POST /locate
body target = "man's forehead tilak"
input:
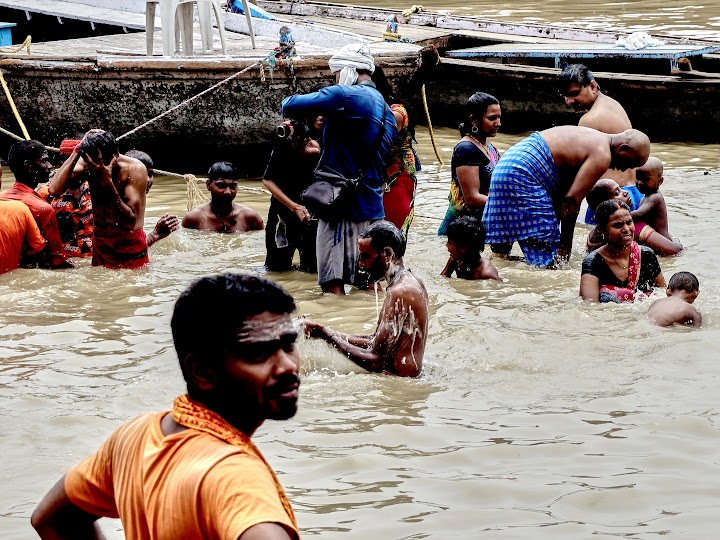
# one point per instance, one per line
(255, 331)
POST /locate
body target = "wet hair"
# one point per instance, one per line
(605, 210)
(224, 170)
(576, 74)
(476, 107)
(684, 281)
(23, 151)
(102, 142)
(143, 158)
(598, 194)
(209, 312)
(384, 234)
(468, 232)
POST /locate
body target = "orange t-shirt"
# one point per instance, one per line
(44, 217)
(18, 230)
(188, 485)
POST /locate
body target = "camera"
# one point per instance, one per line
(287, 129)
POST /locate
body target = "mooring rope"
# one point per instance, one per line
(196, 96)
(13, 107)
(24, 45)
(430, 128)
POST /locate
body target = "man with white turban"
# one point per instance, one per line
(358, 135)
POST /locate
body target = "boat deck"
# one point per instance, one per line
(561, 51)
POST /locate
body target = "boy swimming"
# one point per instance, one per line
(465, 243)
(677, 308)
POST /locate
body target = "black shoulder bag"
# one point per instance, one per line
(330, 194)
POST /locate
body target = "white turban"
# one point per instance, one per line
(349, 59)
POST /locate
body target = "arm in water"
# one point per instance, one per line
(391, 348)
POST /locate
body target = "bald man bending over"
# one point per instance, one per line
(537, 187)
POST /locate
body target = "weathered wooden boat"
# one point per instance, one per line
(520, 64)
(65, 87)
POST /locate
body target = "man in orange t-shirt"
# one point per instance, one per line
(30, 164)
(193, 472)
(18, 234)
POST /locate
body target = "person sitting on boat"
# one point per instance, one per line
(582, 92)
(552, 170)
(605, 190)
(400, 172)
(168, 223)
(398, 344)
(620, 268)
(465, 244)
(30, 164)
(473, 159)
(289, 171)
(222, 214)
(118, 186)
(359, 133)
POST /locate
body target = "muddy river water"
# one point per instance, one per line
(537, 416)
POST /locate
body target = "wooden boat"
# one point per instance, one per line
(520, 64)
(66, 87)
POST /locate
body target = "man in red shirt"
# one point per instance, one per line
(30, 164)
(18, 234)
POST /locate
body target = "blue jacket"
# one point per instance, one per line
(354, 116)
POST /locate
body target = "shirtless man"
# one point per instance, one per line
(398, 344)
(582, 92)
(221, 214)
(538, 185)
(117, 192)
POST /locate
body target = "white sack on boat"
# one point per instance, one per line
(638, 40)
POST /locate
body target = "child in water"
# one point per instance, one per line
(465, 243)
(604, 189)
(652, 210)
(677, 308)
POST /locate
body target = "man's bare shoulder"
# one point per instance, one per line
(247, 218)
(409, 288)
(606, 115)
(195, 216)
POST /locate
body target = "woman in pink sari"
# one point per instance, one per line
(620, 268)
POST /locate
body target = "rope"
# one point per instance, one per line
(18, 138)
(13, 107)
(430, 128)
(24, 45)
(196, 96)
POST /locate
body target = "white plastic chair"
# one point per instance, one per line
(177, 21)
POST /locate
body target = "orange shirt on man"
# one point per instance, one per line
(19, 234)
(44, 217)
(189, 485)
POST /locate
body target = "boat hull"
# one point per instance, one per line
(667, 108)
(236, 121)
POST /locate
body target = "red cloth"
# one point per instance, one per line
(44, 217)
(627, 293)
(399, 200)
(68, 145)
(125, 251)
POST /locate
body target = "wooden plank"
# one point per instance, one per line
(589, 50)
(81, 12)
